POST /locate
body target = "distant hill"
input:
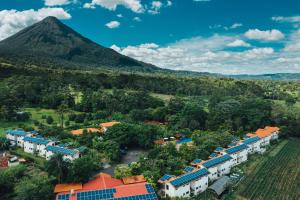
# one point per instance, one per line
(52, 43)
(279, 77)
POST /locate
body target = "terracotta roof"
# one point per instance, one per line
(4, 162)
(133, 179)
(264, 132)
(67, 187)
(102, 181)
(131, 190)
(159, 142)
(108, 124)
(89, 130)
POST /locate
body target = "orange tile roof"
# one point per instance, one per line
(130, 190)
(67, 187)
(89, 130)
(133, 179)
(108, 124)
(264, 132)
(102, 181)
(159, 142)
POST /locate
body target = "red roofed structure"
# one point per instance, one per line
(104, 187)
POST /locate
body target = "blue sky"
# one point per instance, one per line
(219, 36)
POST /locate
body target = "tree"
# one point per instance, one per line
(122, 171)
(61, 111)
(82, 169)
(4, 144)
(36, 187)
(58, 167)
(49, 120)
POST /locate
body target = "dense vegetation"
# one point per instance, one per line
(213, 111)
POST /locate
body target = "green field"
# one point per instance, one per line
(36, 115)
(276, 176)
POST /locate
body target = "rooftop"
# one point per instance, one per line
(216, 161)
(57, 149)
(109, 124)
(251, 140)
(37, 140)
(89, 130)
(189, 177)
(188, 169)
(17, 132)
(264, 132)
(184, 141)
(165, 177)
(196, 161)
(104, 187)
(133, 179)
(236, 149)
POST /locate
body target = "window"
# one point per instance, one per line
(167, 187)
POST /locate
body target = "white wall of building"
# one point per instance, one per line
(199, 185)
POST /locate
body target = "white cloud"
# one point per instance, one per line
(56, 2)
(239, 43)
(113, 24)
(293, 19)
(268, 35)
(155, 7)
(233, 26)
(13, 21)
(137, 19)
(169, 3)
(134, 5)
(120, 15)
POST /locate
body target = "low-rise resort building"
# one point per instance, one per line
(34, 144)
(200, 174)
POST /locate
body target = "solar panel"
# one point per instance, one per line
(213, 155)
(36, 140)
(18, 132)
(184, 140)
(61, 150)
(219, 149)
(189, 169)
(149, 188)
(63, 197)
(196, 161)
(251, 140)
(166, 177)
(215, 161)
(236, 149)
(186, 178)
(151, 196)
(96, 194)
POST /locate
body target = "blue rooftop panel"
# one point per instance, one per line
(251, 140)
(219, 149)
(17, 132)
(189, 169)
(56, 149)
(232, 144)
(186, 178)
(236, 149)
(196, 161)
(213, 155)
(215, 161)
(166, 177)
(36, 140)
(184, 141)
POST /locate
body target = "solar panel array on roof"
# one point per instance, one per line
(232, 144)
(56, 149)
(186, 178)
(16, 132)
(166, 177)
(149, 188)
(151, 196)
(96, 194)
(36, 140)
(215, 161)
(184, 140)
(219, 149)
(63, 197)
(251, 140)
(213, 155)
(196, 161)
(189, 169)
(236, 149)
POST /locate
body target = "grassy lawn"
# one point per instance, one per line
(36, 113)
(275, 175)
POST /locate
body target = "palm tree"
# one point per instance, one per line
(61, 110)
(4, 144)
(58, 167)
